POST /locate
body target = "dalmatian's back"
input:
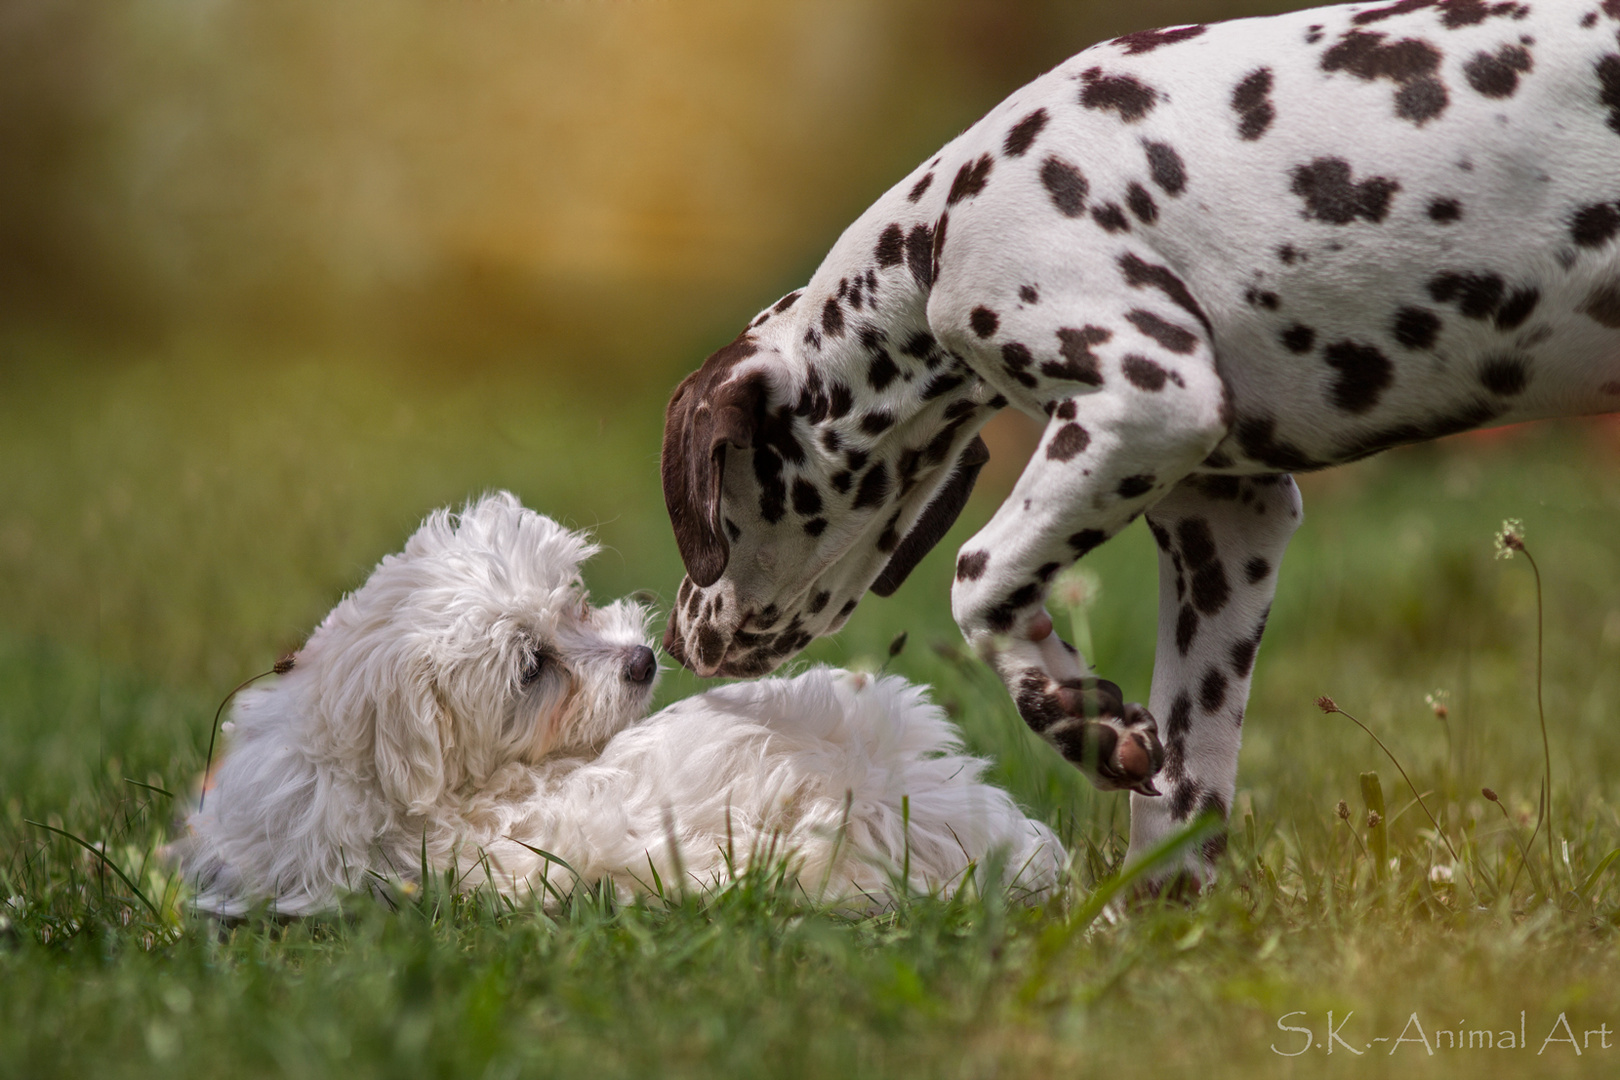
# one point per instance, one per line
(1395, 220)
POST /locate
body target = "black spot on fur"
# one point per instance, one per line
(1066, 185)
(1210, 590)
(1364, 374)
(877, 421)
(970, 566)
(839, 401)
(1166, 167)
(1147, 40)
(1085, 540)
(816, 526)
(1028, 294)
(970, 180)
(1242, 655)
(1079, 362)
(1064, 411)
(881, 371)
(1212, 690)
(1023, 134)
(984, 321)
(1477, 295)
(1595, 225)
(1141, 204)
(818, 602)
(1196, 541)
(873, 488)
(920, 345)
(1416, 327)
(1608, 72)
(1135, 486)
(1261, 298)
(941, 384)
(1111, 218)
(1003, 615)
(1251, 100)
(920, 255)
(1517, 308)
(1505, 376)
(1298, 338)
(1140, 273)
(1330, 195)
(1070, 441)
(1177, 339)
(1445, 211)
(1016, 357)
(1143, 373)
(1603, 305)
(772, 489)
(1129, 98)
(1255, 569)
(806, 498)
(832, 318)
(891, 246)
(841, 480)
(1498, 76)
(1257, 435)
(1409, 63)
(1186, 628)
(919, 187)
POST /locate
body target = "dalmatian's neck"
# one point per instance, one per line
(855, 345)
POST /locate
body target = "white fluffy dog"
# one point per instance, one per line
(467, 708)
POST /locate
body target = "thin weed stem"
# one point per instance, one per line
(1327, 705)
(1541, 714)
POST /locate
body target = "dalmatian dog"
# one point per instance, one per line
(1210, 257)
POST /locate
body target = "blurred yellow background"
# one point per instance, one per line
(601, 185)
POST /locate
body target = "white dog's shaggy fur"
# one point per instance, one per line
(467, 706)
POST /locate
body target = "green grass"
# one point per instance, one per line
(171, 524)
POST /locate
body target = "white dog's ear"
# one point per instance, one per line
(410, 741)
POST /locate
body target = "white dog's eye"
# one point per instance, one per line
(534, 662)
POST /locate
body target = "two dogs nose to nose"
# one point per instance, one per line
(641, 666)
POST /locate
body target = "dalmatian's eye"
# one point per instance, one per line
(534, 664)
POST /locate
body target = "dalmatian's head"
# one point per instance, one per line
(787, 506)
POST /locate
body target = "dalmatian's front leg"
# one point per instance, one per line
(1105, 457)
(1221, 539)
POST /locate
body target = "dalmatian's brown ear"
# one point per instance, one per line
(706, 415)
(936, 519)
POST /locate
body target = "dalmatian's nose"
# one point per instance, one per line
(641, 665)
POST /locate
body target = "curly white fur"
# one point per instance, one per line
(468, 709)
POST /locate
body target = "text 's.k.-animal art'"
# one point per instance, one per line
(1210, 256)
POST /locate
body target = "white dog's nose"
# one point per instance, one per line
(641, 666)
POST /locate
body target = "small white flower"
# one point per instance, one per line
(1510, 538)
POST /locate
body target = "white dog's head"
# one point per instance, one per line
(475, 647)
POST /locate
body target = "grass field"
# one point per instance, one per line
(170, 525)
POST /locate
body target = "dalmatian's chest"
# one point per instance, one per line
(1391, 221)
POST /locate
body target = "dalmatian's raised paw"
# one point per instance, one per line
(1114, 743)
